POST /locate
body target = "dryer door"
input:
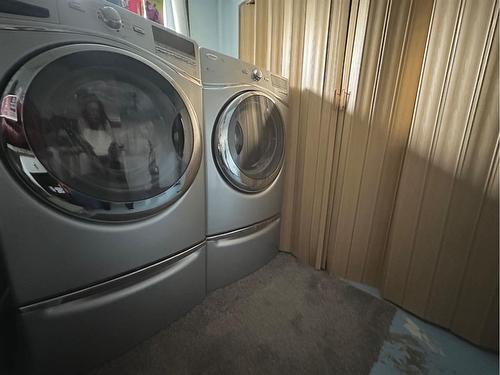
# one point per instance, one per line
(99, 132)
(248, 142)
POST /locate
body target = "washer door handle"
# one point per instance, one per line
(9, 107)
(12, 125)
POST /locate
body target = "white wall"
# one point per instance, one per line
(203, 21)
(215, 24)
(229, 26)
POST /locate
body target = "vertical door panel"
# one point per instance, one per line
(317, 19)
(379, 132)
(335, 61)
(246, 45)
(479, 282)
(465, 201)
(358, 127)
(405, 93)
(263, 23)
(450, 145)
(295, 60)
(419, 147)
(443, 252)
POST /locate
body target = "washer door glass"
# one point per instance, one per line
(249, 142)
(108, 129)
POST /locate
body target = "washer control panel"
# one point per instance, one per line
(98, 18)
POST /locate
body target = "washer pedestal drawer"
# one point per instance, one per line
(234, 255)
(70, 335)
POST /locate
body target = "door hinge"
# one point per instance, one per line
(341, 99)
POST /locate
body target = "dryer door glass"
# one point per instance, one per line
(110, 131)
(249, 142)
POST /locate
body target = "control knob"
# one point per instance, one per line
(110, 17)
(256, 75)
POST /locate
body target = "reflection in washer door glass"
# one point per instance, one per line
(108, 127)
(255, 137)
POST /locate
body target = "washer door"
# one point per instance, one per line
(99, 132)
(248, 142)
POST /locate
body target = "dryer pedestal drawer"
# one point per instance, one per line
(80, 333)
(236, 254)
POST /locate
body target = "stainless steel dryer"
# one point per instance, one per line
(245, 111)
(102, 225)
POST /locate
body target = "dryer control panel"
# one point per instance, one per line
(219, 69)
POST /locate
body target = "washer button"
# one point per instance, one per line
(138, 29)
(76, 5)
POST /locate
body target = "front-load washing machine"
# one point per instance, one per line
(102, 225)
(245, 110)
